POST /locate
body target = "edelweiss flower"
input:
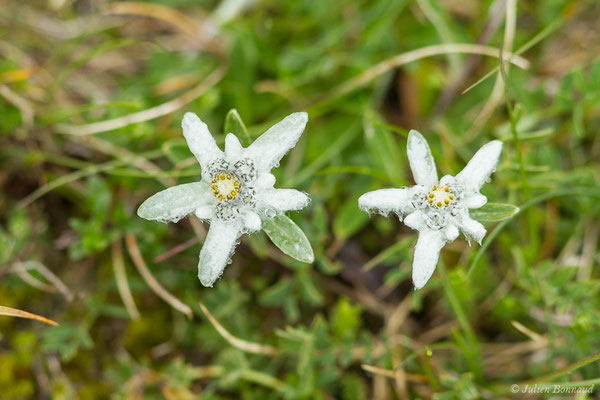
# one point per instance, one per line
(236, 191)
(436, 208)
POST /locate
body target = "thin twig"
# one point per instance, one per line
(536, 337)
(414, 55)
(177, 249)
(498, 90)
(388, 373)
(203, 32)
(565, 370)
(82, 173)
(107, 147)
(146, 115)
(496, 15)
(140, 264)
(244, 345)
(22, 268)
(121, 277)
(586, 192)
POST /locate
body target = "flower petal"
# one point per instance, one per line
(205, 212)
(472, 229)
(480, 167)
(384, 201)
(283, 199)
(199, 139)
(218, 247)
(174, 203)
(427, 253)
(265, 181)
(252, 221)
(450, 232)
(475, 201)
(233, 147)
(421, 161)
(416, 221)
(272, 145)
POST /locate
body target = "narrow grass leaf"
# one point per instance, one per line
(13, 312)
(235, 125)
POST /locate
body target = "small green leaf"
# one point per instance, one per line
(276, 294)
(383, 148)
(176, 150)
(235, 125)
(531, 136)
(308, 288)
(290, 239)
(494, 212)
(350, 219)
(345, 319)
(67, 340)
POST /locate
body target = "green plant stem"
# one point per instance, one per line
(566, 370)
(82, 173)
(513, 127)
(474, 357)
(547, 31)
(563, 371)
(586, 192)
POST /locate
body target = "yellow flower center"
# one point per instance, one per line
(440, 196)
(225, 187)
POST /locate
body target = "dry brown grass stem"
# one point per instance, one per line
(140, 264)
(22, 269)
(244, 345)
(414, 55)
(13, 312)
(121, 277)
(148, 114)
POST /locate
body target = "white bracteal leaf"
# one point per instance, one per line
(427, 253)
(272, 145)
(385, 201)
(205, 212)
(233, 148)
(199, 140)
(174, 203)
(289, 238)
(421, 161)
(450, 232)
(472, 229)
(475, 201)
(218, 247)
(416, 221)
(265, 181)
(480, 167)
(252, 222)
(283, 200)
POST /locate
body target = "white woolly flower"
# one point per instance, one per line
(438, 209)
(236, 190)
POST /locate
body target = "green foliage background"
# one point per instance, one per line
(523, 307)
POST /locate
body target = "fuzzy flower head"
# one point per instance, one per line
(437, 208)
(236, 191)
